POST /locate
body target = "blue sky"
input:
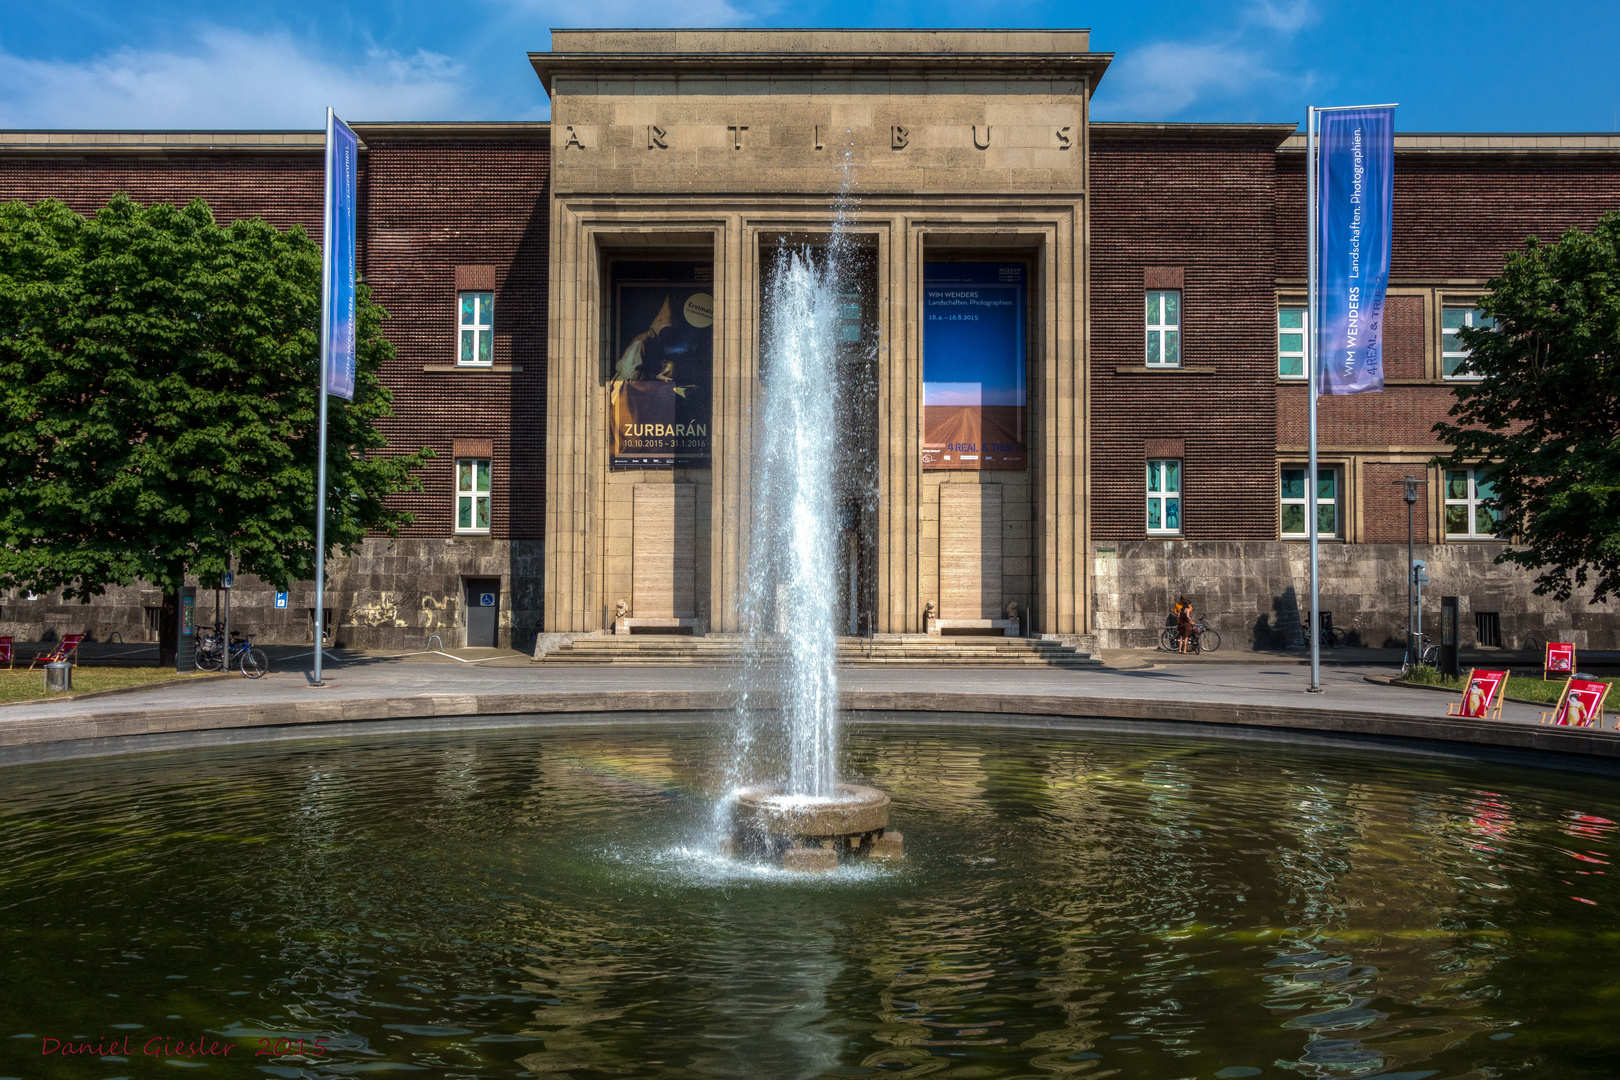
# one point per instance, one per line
(1453, 66)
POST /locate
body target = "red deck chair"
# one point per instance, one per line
(68, 646)
(1482, 695)
(1580, 705)
(6, 653)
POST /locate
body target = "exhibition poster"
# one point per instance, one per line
(974, 407)
(659, 389)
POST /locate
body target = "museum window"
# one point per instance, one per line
(1453, 353)
(1471, 512)
(472, 495)
(1294, 503)
(1163, 497)
(477, 321)
(1291, 326)
(1164, 328)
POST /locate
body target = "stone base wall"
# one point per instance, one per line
(1254, 593)
(388, 595)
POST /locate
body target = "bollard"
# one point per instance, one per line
(59, 675)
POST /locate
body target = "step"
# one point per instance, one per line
(918, 651)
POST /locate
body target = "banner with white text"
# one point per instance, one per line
(1355, 171)
(338, 303)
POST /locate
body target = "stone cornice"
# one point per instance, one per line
(972, 64)
(1117, 131)
(1490, 143)
(160, 142)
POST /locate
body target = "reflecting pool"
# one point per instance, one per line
(544, 902)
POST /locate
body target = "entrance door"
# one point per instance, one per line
(483, 611)
(970, 551)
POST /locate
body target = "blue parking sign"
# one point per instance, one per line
(281, 600)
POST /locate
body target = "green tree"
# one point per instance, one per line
(159, 376)
(1546, 411)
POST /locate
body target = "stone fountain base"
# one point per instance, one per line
(805, 833)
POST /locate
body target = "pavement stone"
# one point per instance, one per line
(360, 677)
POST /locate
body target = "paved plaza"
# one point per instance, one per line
(1277, 682)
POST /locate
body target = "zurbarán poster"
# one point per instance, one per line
(659, 390)
(974, 408)
(1355, 182)
(337, 308)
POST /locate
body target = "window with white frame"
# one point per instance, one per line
(477, 324)
(1163, 496)
(1471, 512)
(472, 495)
(1296, 502)
(1453, 353)
(1291, 342)
(1164, 328)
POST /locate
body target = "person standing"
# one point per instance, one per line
(1184, 623)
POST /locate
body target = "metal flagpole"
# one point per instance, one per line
(1311, 508)
(326, 359)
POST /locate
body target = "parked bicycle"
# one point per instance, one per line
(1204, 638)
(1428, 653)
(1332, 636)
(250, 659)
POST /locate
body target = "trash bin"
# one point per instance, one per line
(59, 675)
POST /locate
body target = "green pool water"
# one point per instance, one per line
(543, 902)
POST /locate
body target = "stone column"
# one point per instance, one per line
(899, 440)
(736, 367)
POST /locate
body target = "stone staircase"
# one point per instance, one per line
(889, 650)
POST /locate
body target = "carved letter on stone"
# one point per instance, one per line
(899, 136)
(655, 138)
(572, 141)
(981, 141)
(1064, 141)
(736, 135)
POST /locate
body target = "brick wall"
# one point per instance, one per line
(1384, 503)
(1205, 208)
(1404, 337)
(436, 205)
(1456, 216)
(283, 188)
(1400, 416)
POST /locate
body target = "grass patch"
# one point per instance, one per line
(1524, 687)
(23, 685)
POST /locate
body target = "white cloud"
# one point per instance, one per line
(1286, 16)
(638, 13)
(1160, 80)
(227, 80)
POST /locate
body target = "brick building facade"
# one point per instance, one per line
(1213, 215)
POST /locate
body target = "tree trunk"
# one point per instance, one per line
(168, 628)
(169, 624)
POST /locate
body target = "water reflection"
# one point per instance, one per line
(502, 904)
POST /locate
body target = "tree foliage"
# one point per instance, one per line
(1547, 408)
(159, 380)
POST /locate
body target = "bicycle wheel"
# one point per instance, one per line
(1333, 638)
(208, 659)
(1431, 656)
(1169, 640)
(1208, 640)
(254, 663)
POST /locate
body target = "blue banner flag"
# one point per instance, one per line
(1355, 171)
(337, 270)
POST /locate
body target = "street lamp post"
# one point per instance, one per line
(1411, 495)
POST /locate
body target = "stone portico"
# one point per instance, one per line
(718, 146)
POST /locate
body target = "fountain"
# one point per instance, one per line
(801, 814)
